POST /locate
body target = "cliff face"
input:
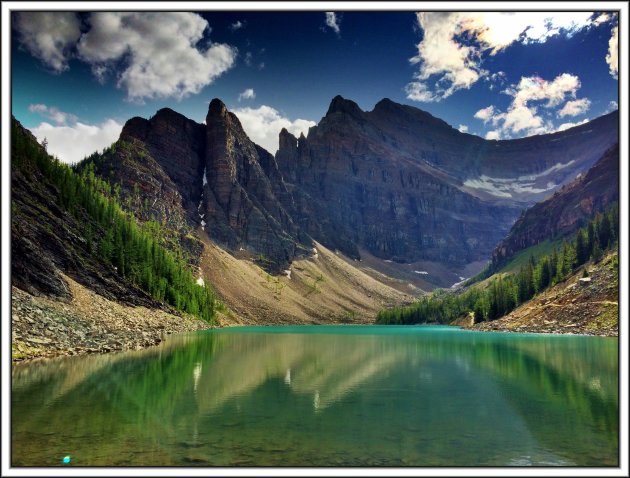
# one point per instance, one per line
(239, 202)
(185, 175)
(407, 186)
(567, 210)
(394, 181)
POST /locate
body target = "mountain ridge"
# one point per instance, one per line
(393, 181)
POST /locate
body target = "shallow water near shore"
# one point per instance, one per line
(325, 396)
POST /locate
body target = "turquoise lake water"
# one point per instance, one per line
(325, 396)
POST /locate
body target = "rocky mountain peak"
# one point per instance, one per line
(342, 105)
(216, 109)
(287, 140)
(135, 127)
(389, 110)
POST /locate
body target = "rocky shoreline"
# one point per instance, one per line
(88, 323)
(579, 305)
(551, 328)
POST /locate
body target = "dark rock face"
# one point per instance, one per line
(176, 144)
(184, 174)
(396, 181)
(406, 186)
(567, 210)
(241, 205)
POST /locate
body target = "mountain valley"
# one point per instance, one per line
(368, 211)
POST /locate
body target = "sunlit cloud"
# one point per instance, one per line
(575, 107)
(72, 143)
(613, 51)
(248, 94)
(529, 95)
(52, 113)
(263, 125)
(454, 45)
(332, 22)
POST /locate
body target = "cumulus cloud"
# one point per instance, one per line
(332, 22)
(49, 36)
(263, 125)
(454, 45)
(159, 49)
(418, 91)
(612, 106)
(237, 25)
(564, 126)
(535, 88)
(522, 117)
(485, 114)
(613, 51)
(463, 128)
(52, 113)
(575, 107)
(248, 94)
(72, 143)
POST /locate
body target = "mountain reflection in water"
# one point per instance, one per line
(345, 395)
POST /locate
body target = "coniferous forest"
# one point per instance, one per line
(133, 249)
(505, 293)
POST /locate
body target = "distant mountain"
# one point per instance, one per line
(395, 182)
(406, 186)
(567, 210)
(186, 175)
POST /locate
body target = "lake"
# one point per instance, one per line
(325, 396)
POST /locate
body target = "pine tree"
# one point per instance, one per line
(479, 315)
(604, 231)
(582, 251)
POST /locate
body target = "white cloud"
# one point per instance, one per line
(439, 54)
(564, 126)
(454, 44)
(160, 52)
(248, 94)
(531, 93)
(263, 125)
(463, 128)
(602, 18)
(333, 22)
(535, 88)
(575, 107)
(72, 143)
(520, 118)
(49, 36)
(237, 25)
(485, 114)
(613, 52)
(417, 91)
(52, 113)
(612, 106)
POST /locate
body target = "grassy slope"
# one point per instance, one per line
(321, 289)
(521, 257)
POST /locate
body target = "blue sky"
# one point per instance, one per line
(76, 78)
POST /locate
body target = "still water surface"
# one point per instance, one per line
(325, 395)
